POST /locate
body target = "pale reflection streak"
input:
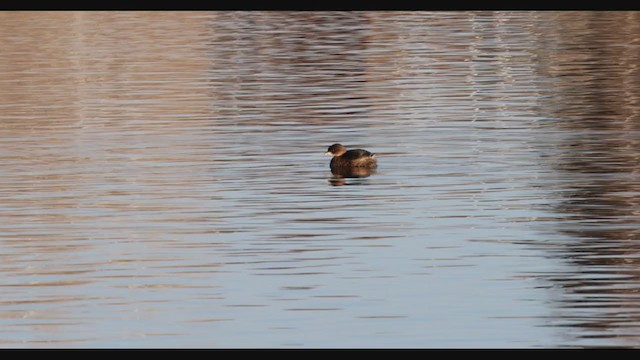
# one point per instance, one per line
(89, 175)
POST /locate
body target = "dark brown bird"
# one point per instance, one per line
(348, 159)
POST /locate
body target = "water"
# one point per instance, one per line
(163, 184)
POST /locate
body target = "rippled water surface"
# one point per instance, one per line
(163, 184)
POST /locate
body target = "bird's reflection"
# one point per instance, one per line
(340, 176)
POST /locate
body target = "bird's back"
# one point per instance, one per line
(356, 154)
(354, 158)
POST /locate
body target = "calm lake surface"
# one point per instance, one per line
(163, 180)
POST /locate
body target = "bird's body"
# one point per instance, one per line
(347, 159)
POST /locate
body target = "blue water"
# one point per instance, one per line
(163, 184)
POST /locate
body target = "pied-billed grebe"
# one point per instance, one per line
(357, 158)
